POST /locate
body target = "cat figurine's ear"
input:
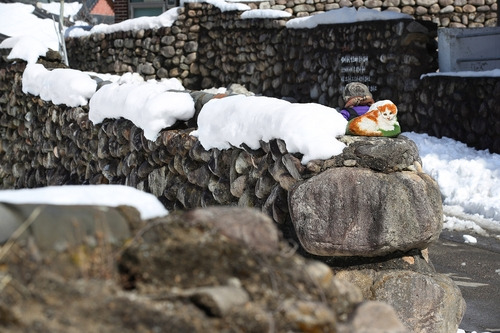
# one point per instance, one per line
(380, 120)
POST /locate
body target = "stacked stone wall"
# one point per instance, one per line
(44, 144)
(206, 48)
(462, 108)
(445, 13)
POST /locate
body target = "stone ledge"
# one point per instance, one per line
(376, 153)
(57, 228)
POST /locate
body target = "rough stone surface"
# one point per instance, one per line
(193, 249)
(375, 317)
(437, 106)
(435, 305)
(245, 225)
(385, 155)
(359, 212)
(60, 227)
(170, 274)
(220, 300)
(436, 298)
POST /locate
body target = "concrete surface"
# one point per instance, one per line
(475, 268)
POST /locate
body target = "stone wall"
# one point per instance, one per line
(462, 108)
(45, 144)
(206, 48)
(445, 13)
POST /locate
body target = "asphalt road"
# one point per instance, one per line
(475, 268)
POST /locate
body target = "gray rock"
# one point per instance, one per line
(157, 181)
(62, 227)
(423, 302)
(359, 212)
(434, 303)
(246, 225)
(345, 293)
(219, 300)
(380, 154)
(146, 68)
(238, 186)
(426, 3)
(374, 317)
(310, 316)
(167, 51)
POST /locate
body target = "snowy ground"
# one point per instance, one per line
(469, 181)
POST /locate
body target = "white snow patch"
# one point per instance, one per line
(60, 85)
(164, 20)
(101, 195)
(151, 105)
(265, 14)
(310, 129)
(469, 239)
(344, 15)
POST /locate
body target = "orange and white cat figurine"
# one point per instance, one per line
(379, 120)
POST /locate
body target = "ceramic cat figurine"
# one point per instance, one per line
(379, 120)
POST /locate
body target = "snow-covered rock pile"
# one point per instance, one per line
(370, 209)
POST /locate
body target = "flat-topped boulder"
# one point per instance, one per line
(377, 153)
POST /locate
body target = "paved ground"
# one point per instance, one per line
(476, 270)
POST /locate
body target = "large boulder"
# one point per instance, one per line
(350, 211)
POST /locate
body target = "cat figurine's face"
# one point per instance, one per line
(387, 110)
